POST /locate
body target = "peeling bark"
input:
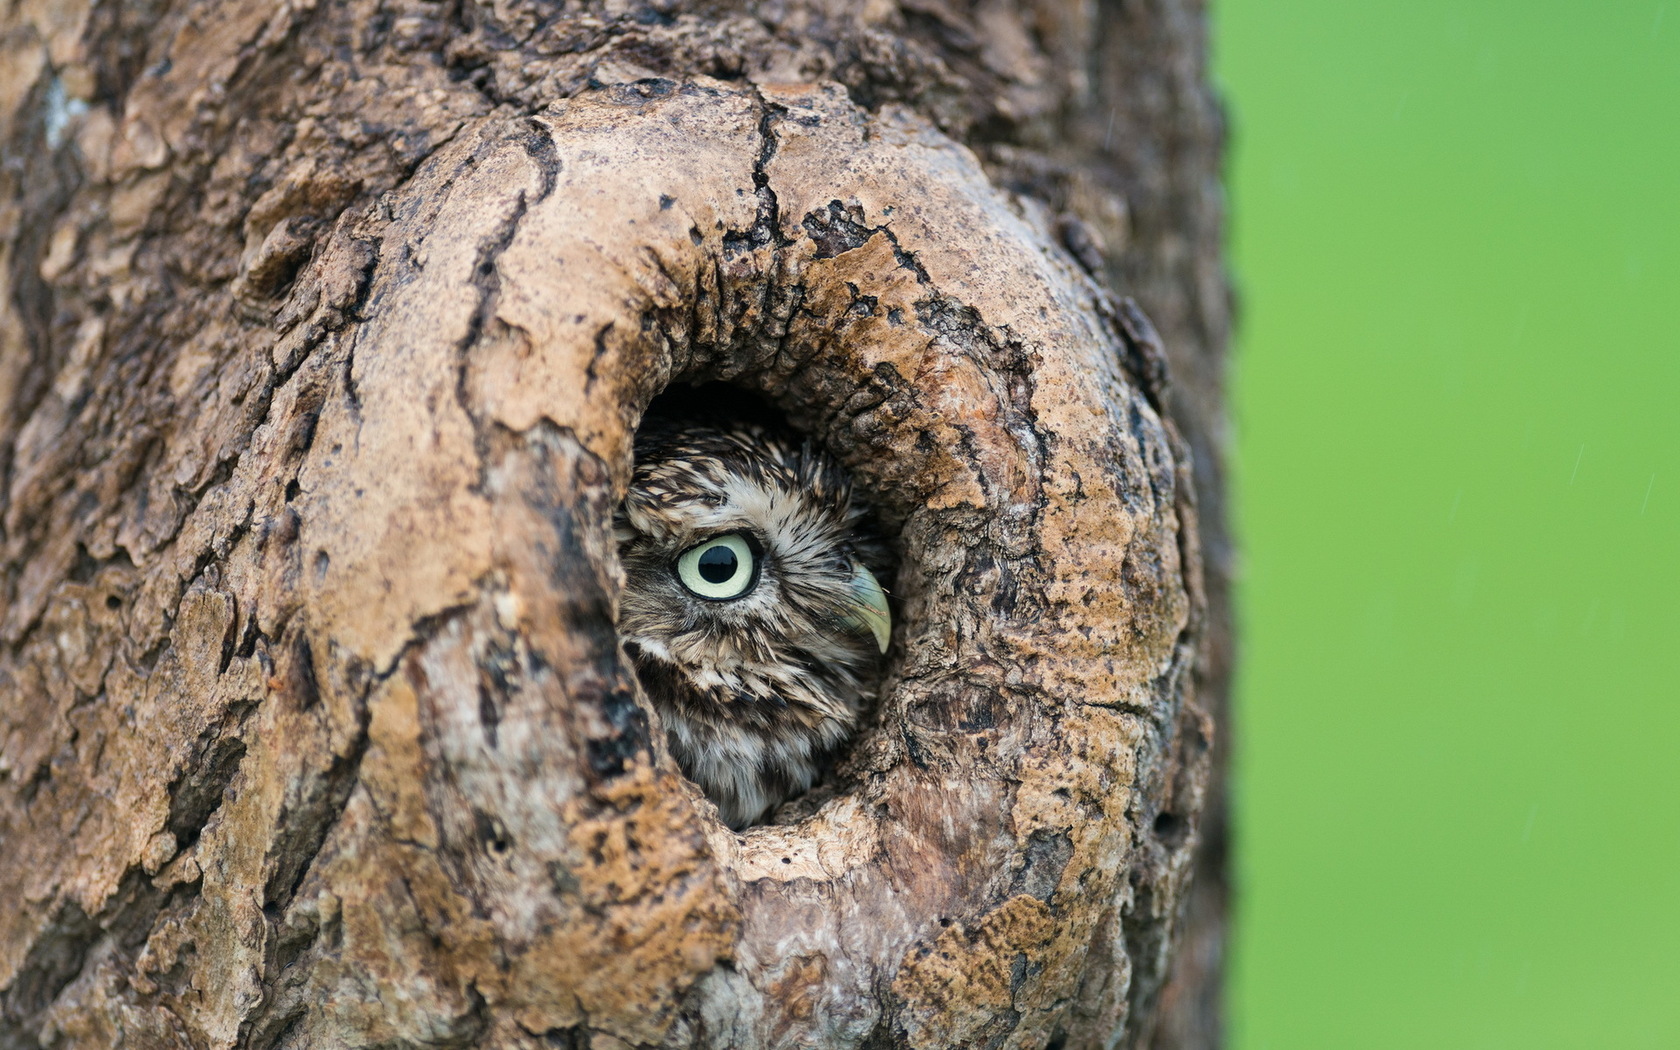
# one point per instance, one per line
(325, 331)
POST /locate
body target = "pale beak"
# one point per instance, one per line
(868, 607)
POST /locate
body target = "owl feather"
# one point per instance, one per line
(751, 607)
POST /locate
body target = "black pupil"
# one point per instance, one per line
(718, 564)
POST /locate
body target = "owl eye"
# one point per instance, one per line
(719, 569)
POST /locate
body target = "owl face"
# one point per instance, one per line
(751, 606)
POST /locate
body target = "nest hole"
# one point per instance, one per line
(764, 658)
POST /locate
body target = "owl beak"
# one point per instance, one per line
(868, 607)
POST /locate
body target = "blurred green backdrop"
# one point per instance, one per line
(1456, 236)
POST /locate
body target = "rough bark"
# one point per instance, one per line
(324, 332)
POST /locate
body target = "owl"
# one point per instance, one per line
(751, 608)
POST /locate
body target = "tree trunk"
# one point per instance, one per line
(324, 334)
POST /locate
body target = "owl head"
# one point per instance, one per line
(751, 606)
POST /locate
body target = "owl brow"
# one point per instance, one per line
(753, 451)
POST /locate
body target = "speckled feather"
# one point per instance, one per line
(758, 692)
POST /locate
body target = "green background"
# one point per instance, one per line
(1456, 390)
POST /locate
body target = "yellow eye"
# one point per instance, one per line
(719, 569)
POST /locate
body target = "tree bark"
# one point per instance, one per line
(325, 331)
